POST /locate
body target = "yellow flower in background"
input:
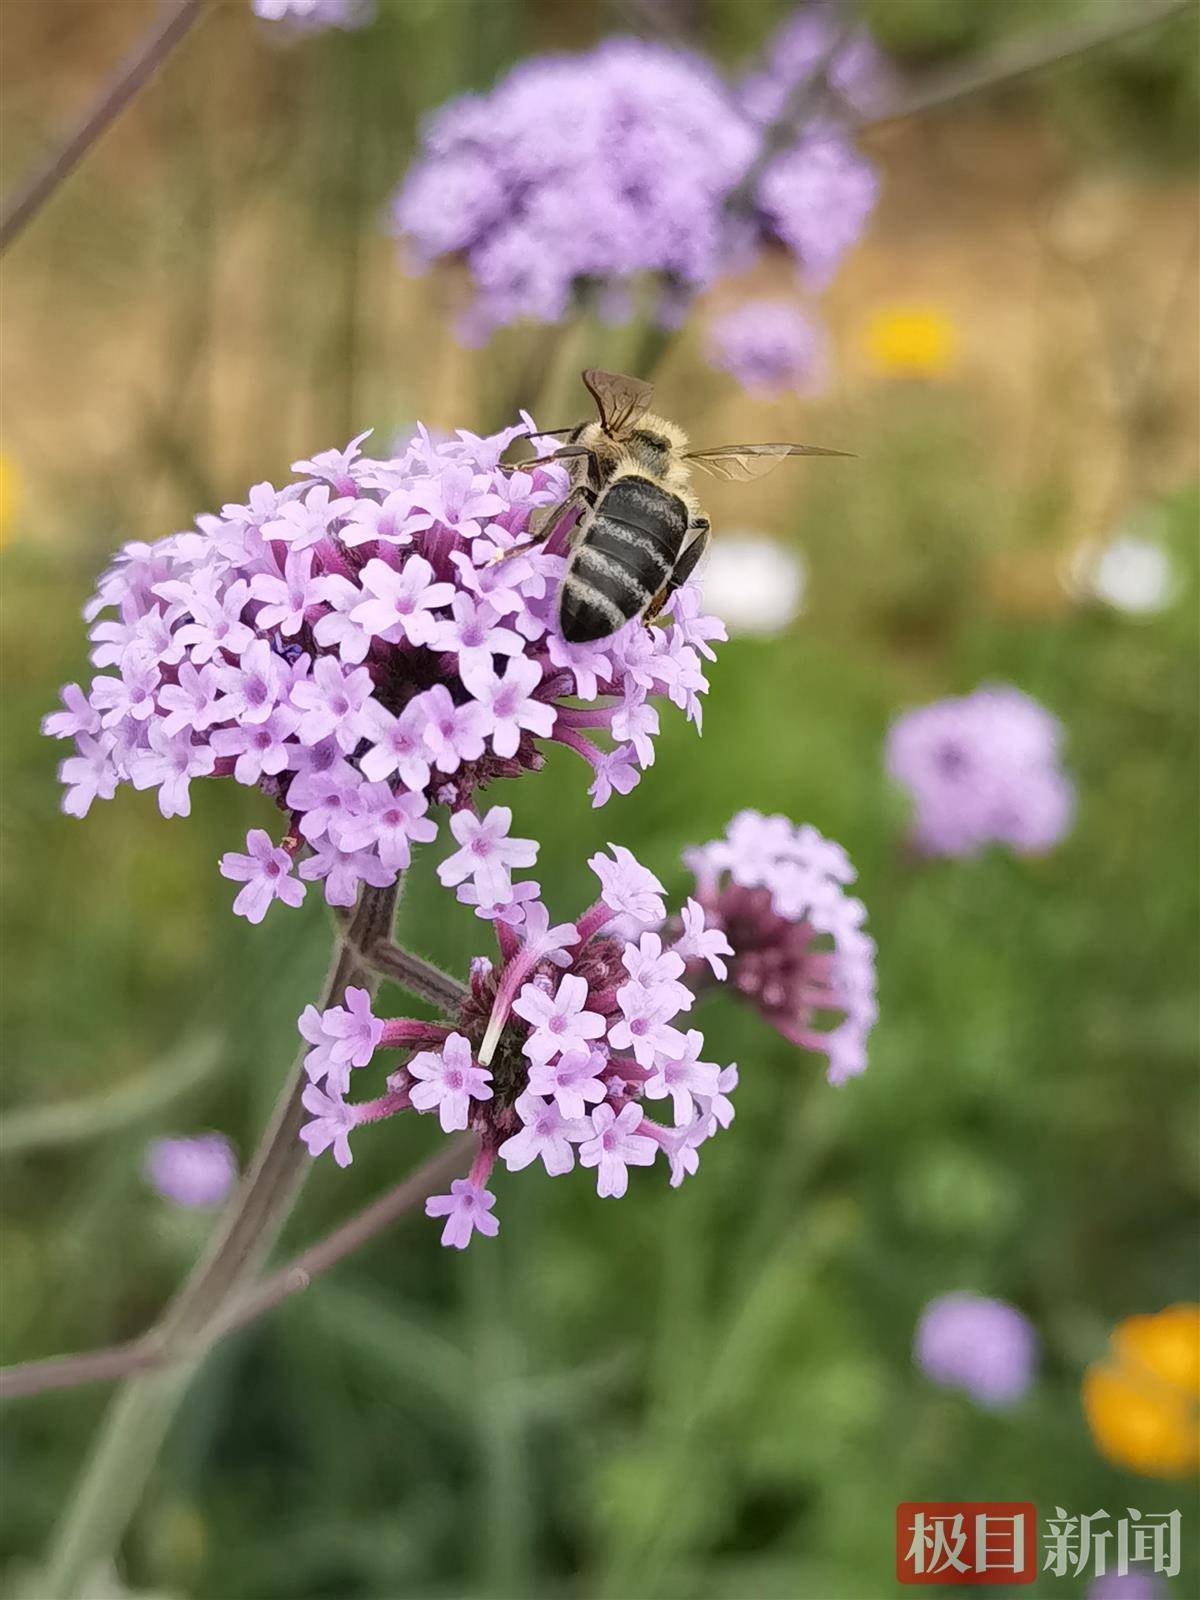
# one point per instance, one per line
(1142, 1402)
(910, 342)
(10, 496)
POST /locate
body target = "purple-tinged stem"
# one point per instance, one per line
(136, 70)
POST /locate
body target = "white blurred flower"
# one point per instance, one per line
(752, 583)
(1132, 572)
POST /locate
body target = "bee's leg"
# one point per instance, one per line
(685, 565)
(548, 519)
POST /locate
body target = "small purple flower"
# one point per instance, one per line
(388, 823)
(169, 765)
(302, 523)
(401, 601)
(266, 872)
(330, 1127)
(344, 872)
(190, 701)
(79, 716)
(572, 1080)
(331, 701)
(558, 1024)
(699, 942)
(682, 1075)
(770, 348)
(615, 1146)
(546, 1135)
(259, 747)
(88, 775)
(645, 1024)
(197, 1172)
(487, 854)
(398, 744)
(980, 770)
(453, 733)
(449, 1080)
(985, 1347)
(342, 1037)
(287, 598)
(467, 1209)
(628, 888)
(508, 701)
(474, 633)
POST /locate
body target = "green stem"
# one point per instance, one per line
(137, 1420)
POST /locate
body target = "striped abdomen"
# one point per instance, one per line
(625, 556)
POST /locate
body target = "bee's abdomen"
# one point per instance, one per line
(625, 557)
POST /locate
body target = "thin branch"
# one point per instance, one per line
(119, 1361)
(71, 1372)
(318, 1258)
(1018, 58)
(136, 70)
(414, 973)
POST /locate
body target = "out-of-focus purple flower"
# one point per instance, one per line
(350, 647)
(799, 48)
(799, 952)
(312, 16)
(980, 770)
(197, 1172)
(985, 1347)
(770, 347)
(604, 170)
(1133, 1585)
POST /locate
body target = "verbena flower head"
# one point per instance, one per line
(350, 645)
(575, 1048)
(197, 1172)
(770, 347)
(798, 949)
(983, 769)
(604, 169)
(985, 1347)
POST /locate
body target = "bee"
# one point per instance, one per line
(640, 531)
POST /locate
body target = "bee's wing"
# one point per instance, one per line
(741, 462)
(620, 401)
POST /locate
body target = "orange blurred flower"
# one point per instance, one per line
(910, 342)
(1142, 1401)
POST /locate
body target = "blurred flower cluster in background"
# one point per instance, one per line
(952, 1259)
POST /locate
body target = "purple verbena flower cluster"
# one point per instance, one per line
(557, 1053)
(985, 1347)
(561, 1051)
(770, 347)
(799, 951)
(611, 168)
(983, 769)
(351, 645)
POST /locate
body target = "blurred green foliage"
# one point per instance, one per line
(702, 1393)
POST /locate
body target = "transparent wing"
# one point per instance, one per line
(620, 401)
(738, 463)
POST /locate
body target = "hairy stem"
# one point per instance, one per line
(136, 1423)
(137, 69)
